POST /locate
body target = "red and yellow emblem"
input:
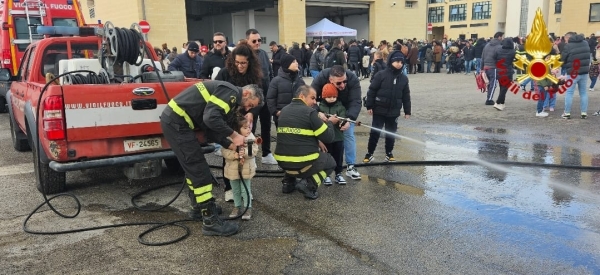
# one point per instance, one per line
(538, 46)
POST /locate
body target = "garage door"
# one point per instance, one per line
(338, 3)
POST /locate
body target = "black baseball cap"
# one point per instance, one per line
(193, 46)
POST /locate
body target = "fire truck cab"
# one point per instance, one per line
(19, 20)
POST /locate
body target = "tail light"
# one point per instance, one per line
(53, 118)
(6, 56)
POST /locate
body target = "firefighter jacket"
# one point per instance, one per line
(298, 135)
(205, 106)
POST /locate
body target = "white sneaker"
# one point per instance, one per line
(352, 173)
(269, 159)
(591, 89)
(229, 195)
(339, 179)
(218, 152)
(499, 107)
(541, 114)
(327, 181)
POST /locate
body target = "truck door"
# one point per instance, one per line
(19, 88)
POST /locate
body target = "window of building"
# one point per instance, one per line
(91, 8)
(436, 15)
(458, 12)
(408, 4)
(595, 12)
(482, 10)
(557, 6)
(435, 1)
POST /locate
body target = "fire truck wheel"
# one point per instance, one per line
(173, 166)
(47, 180)
(3, 108)
(19, 140)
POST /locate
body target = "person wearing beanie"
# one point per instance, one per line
(283, 86)
(387, 95)
(188, 62)
(330, 105)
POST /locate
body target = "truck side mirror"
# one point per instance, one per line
(5, 74)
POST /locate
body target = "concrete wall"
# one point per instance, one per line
(392, 22)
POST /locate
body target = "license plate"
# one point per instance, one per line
(133, 145)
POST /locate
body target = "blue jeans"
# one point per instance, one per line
(581, 82)
(550, 100)
(314, 73)
(593, 82)
(544, 95)
(350, 145)
(429, 66)
(468, 65)
(528, 81)
(477, 64)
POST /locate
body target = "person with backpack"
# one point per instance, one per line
(317, 59)
(335, 56)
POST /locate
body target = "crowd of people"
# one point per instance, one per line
(315, 124)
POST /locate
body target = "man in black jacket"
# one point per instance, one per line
(349, 93)
(576, 62)
(387, 94)
(215, 57)
(276, 57)
(189, 62)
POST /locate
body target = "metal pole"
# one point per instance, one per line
(144, 16)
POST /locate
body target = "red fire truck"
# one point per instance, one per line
(19, 20)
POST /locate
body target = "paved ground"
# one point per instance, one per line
(396, 220)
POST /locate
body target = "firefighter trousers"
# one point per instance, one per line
(314, 172)
(189, 152)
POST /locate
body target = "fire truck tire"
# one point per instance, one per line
(173, 166)
(19, 140)
(3, 108)
(47, 180)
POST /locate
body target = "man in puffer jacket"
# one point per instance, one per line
(576, 51)
(504, 62)
(387, 94)
(282, 87)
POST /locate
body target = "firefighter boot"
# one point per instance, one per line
(195, 213)
(212, 224)
(308, 188)
(289, 185)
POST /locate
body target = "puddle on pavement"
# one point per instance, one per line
(492, 130)
(411, 190)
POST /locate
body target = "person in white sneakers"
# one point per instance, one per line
(349, 93)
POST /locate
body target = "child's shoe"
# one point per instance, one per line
(235, 212)
(339, 179)
(389, 157)
(327, 181)
(248, 215)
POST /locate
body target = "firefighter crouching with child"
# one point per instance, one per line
(301, 133)
(206, 106)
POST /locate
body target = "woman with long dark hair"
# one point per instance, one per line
(241, 68)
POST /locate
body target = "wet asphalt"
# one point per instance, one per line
(461, 219)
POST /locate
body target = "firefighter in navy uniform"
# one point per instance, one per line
(300, 134)
(205, 106)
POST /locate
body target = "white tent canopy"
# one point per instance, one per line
(328, 28)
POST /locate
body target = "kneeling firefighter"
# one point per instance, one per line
(206, 106)
(300, 135)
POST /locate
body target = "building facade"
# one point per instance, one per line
(466, 19)
(581, 16)
(176, 21)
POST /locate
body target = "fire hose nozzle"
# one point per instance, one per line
(251, 141)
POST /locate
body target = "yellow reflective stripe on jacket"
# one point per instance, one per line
(211, 98)
(297, 158)
(219, 102)
(181, 113)
(295, 131)
(321, 129)
(203, 91)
